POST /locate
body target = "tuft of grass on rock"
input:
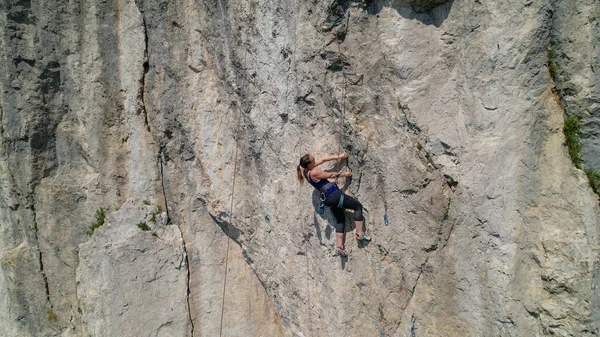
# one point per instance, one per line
(594, 178)
(571, 126)
(553, 67)
(573, 139)
(143, 226)
(51, 316)
(554, 70)
(154, 214)
(99, 221)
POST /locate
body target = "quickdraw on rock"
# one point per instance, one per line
(385, 216)
(385, 219)
(328, 27)
(353, 78)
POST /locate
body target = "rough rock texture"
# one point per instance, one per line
(574, 41)
(183, 122)
(126, 276)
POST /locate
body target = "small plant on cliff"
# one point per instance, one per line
(1, 129)
(573, 140)
(552, 65)
(143, 226)
(51, 316)
(594, 177)
(572, 137)
(154, 214)
(99, 221)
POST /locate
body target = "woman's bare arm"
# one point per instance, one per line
(318, 174)
(330, 158)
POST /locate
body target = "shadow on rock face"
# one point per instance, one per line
(429, 12)
(433, 16)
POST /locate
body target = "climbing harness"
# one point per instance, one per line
(325, 191)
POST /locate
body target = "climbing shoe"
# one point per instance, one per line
(341, 252)
(363, 237)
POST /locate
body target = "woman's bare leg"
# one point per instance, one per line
(340, 239)
(359, 227)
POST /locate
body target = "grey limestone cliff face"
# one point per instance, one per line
(148, 152)
(573, 34)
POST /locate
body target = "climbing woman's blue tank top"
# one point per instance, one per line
(316, 185)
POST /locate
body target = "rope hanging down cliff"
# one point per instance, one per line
(343, 115)
(353, 78)
(231, 202)
(231, 222)
(357, 80)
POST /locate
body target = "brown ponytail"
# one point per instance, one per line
(299, 172)
(304, 161)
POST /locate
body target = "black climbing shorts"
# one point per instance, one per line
(349, 203)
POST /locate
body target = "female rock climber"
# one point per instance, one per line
(332, 196)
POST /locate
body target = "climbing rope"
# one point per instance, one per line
(344, 87)
(296, 84)
(231, 205)
(228, 236)
(308, 289)
(342, 116)
(228, 240)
